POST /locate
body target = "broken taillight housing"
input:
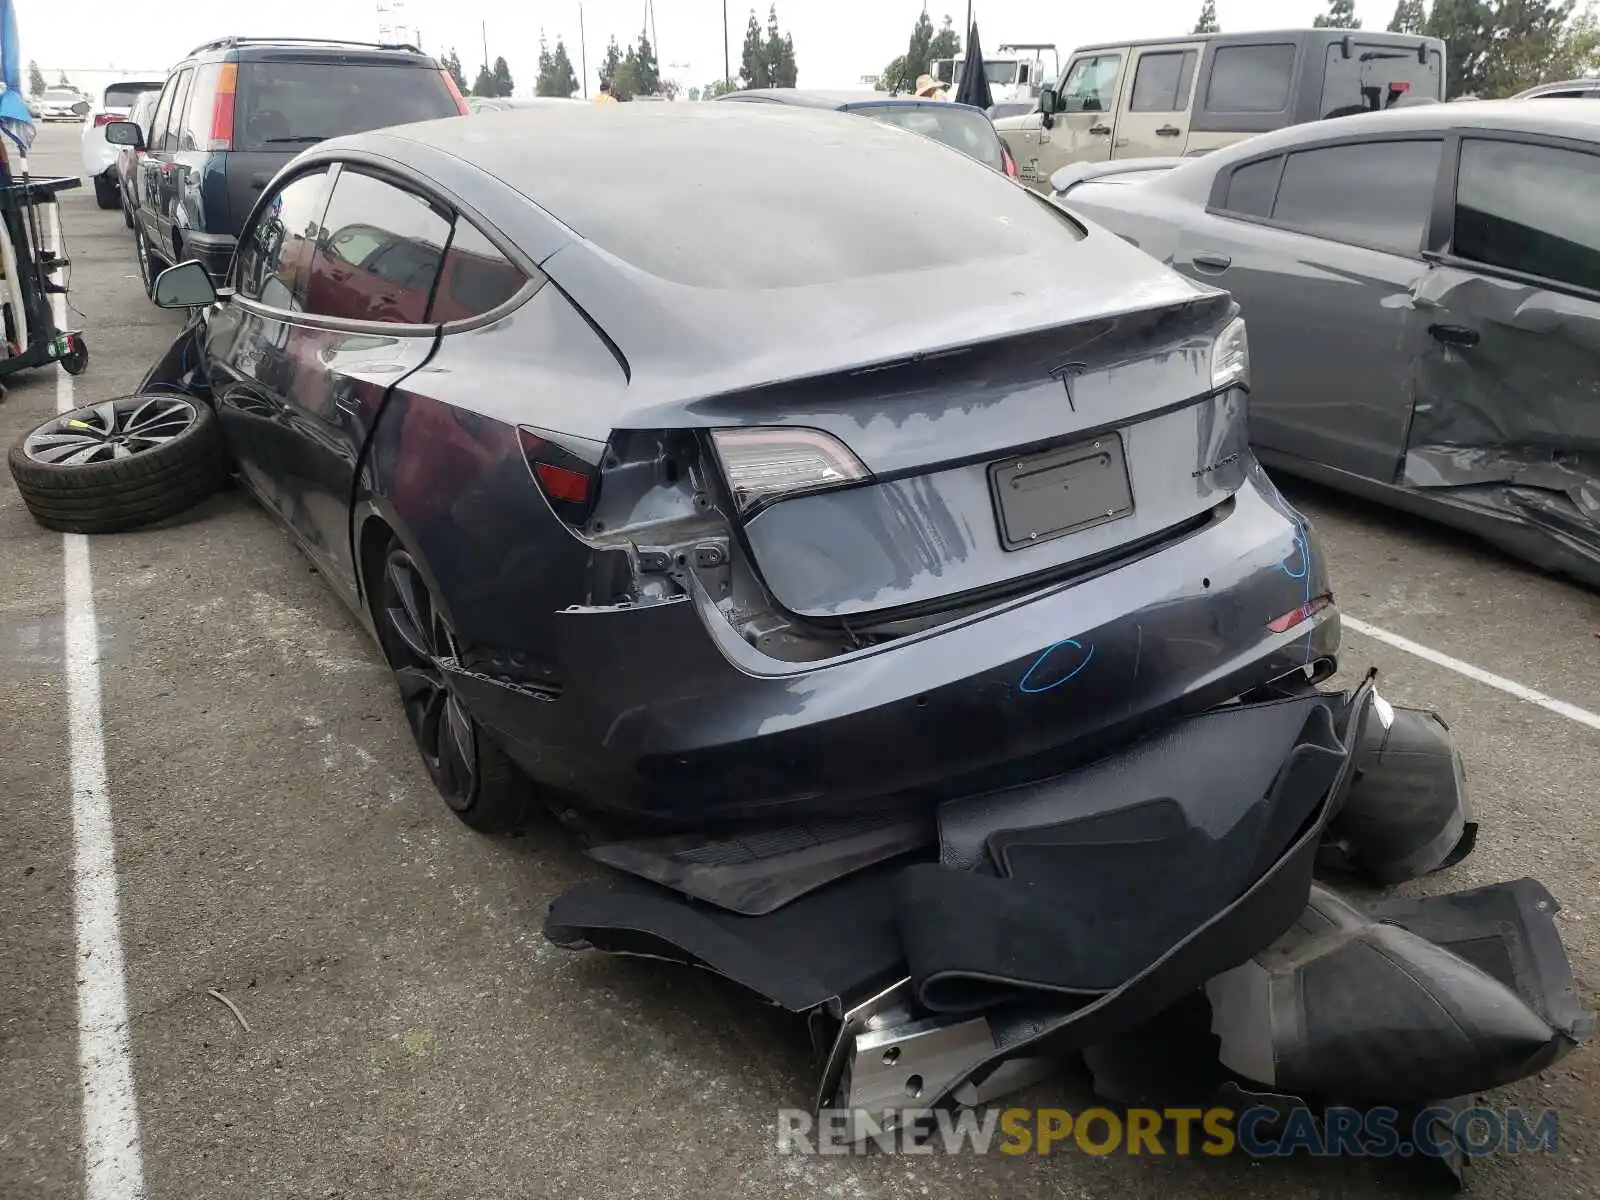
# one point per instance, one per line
(1230, 357)
(767, 463)
(1009, 162)
(1300, 614)
(567, 472)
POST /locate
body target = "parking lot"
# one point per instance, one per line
(410, 1033)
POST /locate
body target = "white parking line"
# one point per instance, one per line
(1509, 686)
(113, 1161)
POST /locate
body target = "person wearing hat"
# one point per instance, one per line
(929, 88)
(605, 96)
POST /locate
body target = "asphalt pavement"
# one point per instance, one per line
(410, 1033)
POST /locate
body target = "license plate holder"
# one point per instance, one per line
(1046, 496)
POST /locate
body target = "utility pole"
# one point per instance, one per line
(727, 68)
(583, 51)
(485, 47)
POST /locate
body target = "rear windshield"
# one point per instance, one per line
(1376, 77)
(286, 104)
(57, 94)
(963, 129)
(122, 95)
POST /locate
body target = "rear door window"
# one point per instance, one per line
(378, 254)
(476, 277)
(282, 105)
(1376, 77)
(1162, 82)
(1376, 194)
(963, 129)
(1253, 187)
(161, 126)
(274, 255)
(1250, 79)
(180, 98)
(1091, 84)
(1530, 209)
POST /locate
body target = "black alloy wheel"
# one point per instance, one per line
(480, 784)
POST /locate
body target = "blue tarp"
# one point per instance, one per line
(15, 119)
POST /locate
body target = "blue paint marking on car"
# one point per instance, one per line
(1031, 688)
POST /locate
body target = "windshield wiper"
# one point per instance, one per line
(299, 137)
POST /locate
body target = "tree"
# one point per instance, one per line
(566, 78)
(483, 85)
(452, 62)
(611, 63)
(946, 43)
(502, 78)
(1410, 16)
(918, 52)
(894, 77)
(694, 95)
(1207, 23)
(63, 81)
(778, 51)
(642, 72)
(1467, 29)
(1579, 51)
(720, 87)
(754, 69)
(1528, 41)
(1341, 14)
(36, 84)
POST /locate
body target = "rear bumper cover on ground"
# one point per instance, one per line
(1079, 914)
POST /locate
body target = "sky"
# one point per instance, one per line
(836, 41)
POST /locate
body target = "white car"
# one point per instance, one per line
(62, 104)
(99, 155)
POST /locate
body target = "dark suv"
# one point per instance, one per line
(236, 110)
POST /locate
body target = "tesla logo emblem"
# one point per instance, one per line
(1066, 373)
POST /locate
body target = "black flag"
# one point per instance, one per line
(974, 87)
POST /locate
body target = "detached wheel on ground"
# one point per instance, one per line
(475, 777)
(106, 192)
(120, 464)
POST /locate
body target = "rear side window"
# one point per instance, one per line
(1530, 209)
(477, 277)
(1375, 78)
(286, 104)
(1252, 188)
(378, 253)
(1378, 194)
(274, 256)
(1162, 82)
(158, 120)
(194, 132)
(166, 130)
(963, 129)
(1250, 79)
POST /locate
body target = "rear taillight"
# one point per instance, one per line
(105, 119)
(455, 92)
(568, 479)
(1299, 616)
(222, 107)
(769, 463)
(1011, 163)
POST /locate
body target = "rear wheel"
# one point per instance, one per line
(477, 780)
(141, 253)
(106, 192)
(127, 213)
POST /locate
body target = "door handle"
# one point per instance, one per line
(1168, 131)
(1210, 260)
(1100, 130)
(1454, 335)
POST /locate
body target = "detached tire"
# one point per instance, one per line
(106, 193)
(120, 464)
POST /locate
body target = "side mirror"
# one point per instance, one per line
(124, 133)
(1049, 100)
(186, 285)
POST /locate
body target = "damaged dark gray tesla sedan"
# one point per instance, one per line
(1423, 286)
(878, 577)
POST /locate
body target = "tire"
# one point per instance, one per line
(474, 777)
(141, 254)
(106, 193)
(127, 216)
(178, 462)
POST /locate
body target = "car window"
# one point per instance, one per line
(368, 222)
(167, 130)
(1530, 209)
(1378, 194)
(1091, 84)
(270, 264)
(55, 94)
(123, 95)
(1253, 187)
(163, 108)
(1250, 79)
(195, 125)
(963, 129)
(143, 108)
(1162, 81)
(1377, 77)
(286, 104)
(477, 277)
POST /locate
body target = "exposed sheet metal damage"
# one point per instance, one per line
(1508, 430)
(1158, 914)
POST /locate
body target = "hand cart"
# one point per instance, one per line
(32, 268)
